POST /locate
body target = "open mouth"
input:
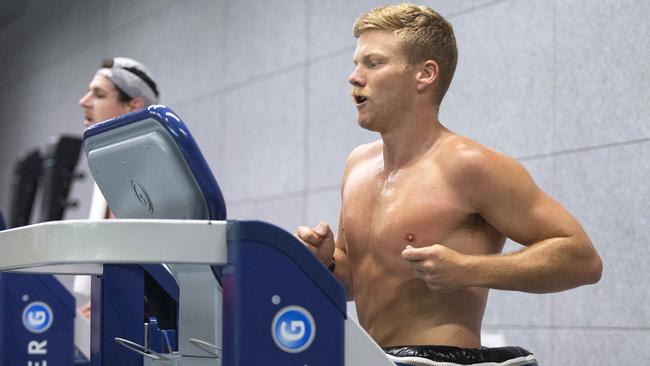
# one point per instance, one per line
(360, 99)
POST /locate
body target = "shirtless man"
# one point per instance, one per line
(425, 212)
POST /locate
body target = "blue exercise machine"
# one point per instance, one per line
(249, 293)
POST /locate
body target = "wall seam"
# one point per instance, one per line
(283, 195)
(565, 328)
(246, 82)
(473, 9)
(223, 123)
(584, 149)
(554, 175)
(306, 149)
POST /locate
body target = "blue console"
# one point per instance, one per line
(147, 165)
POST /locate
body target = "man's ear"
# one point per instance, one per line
(428, 74)
(136, 103)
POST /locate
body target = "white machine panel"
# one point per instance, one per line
(114, 241)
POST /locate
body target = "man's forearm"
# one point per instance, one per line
(550, 265)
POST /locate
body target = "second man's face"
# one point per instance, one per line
(101, 101)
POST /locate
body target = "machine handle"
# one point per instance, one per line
(140, 349)
(205, 346)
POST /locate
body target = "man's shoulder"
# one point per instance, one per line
(467, 158)
(365, 151)
(458, 149)
(362, 153)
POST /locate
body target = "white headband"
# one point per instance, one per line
(129, 81)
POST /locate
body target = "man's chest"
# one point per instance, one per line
(417, 208)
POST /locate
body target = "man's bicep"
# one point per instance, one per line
(510, 201)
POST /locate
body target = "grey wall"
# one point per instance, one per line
(560, 85)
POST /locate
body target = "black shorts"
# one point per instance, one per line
(449, 356)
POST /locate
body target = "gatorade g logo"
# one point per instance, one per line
(37, 317)
(293, 329)
(142, 195)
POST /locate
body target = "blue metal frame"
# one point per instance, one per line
(164, 279)
(285, 243)
(117, 310)
(49, 339)
(280, 299)
(185, 142)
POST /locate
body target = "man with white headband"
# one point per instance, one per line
(121, 86)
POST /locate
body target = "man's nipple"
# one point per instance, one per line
(409, 237)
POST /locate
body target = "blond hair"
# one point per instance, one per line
(423, 34)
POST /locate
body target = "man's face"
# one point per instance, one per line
(383, 84)
(101, 101)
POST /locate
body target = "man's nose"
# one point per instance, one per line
(356, 79)
(84, 101)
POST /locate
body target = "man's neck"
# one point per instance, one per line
(411, 139)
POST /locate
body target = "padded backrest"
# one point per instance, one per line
(59, 162)
(147, 165)
(24, 183)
